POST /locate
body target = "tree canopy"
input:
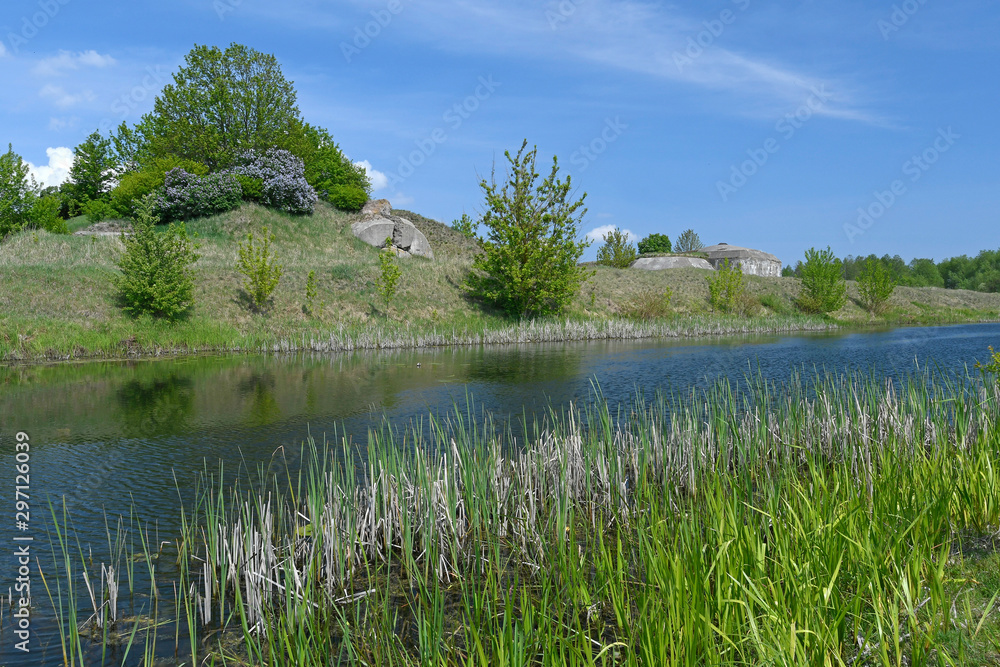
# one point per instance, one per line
(221, 104)
(93, 168)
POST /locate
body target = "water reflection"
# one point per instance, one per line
(155, 407)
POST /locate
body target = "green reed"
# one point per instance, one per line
(803, 523)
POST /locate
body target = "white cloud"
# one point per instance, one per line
(66, 60)
(378, 180)
(56, 172)
(64, 99)
(597, 234)
(3, 50)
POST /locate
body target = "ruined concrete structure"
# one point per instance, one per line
(752, 262)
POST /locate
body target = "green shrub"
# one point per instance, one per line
(775, 304)
(823, 287)
(649, 304)
(688, 241)
(155, 268)
(617, 250)
(389, 273)
(45, 215)
(253, 188)
(655, 243)
(726, 287)
(875, 286)
(260, 269)
(347, 197)
(97, 210)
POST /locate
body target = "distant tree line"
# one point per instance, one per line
(980, 273)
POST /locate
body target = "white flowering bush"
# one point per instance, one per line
(283, 177)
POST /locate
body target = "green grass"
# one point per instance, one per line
(57, 301)
(851, 525)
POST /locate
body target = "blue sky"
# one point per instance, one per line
(866, 126)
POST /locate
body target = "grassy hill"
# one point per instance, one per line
(57, 301)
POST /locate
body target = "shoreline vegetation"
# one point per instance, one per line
(57, 300)
(837, 520)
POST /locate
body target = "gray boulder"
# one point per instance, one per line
(661, 263)
(377, 227)
(374, 231)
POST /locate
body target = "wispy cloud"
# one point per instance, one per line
(67, 61)
(63, 99)
(633, 36)
(3, 50)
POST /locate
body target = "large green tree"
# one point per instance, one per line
(529, 260)
(17, 192)
(220, 104)
(93, 168)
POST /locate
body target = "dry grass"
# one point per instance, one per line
(56, 298)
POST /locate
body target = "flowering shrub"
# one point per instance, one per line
(283, 176)
(186, 196)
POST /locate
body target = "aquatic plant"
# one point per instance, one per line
(813, 522)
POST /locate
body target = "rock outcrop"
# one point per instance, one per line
(661, 263)
(379, 224)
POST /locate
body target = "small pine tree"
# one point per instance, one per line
(389, 273)
(529, 260)
(875, 286)
(688, 241)
(260, 269)
(308, 307)
(466, 225)
(823, 287)
(155, 268)
(617, 250)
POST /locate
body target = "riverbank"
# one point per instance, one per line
(57, 302)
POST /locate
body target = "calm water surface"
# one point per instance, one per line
(111, 436)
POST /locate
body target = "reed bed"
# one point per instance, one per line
(808, 523)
